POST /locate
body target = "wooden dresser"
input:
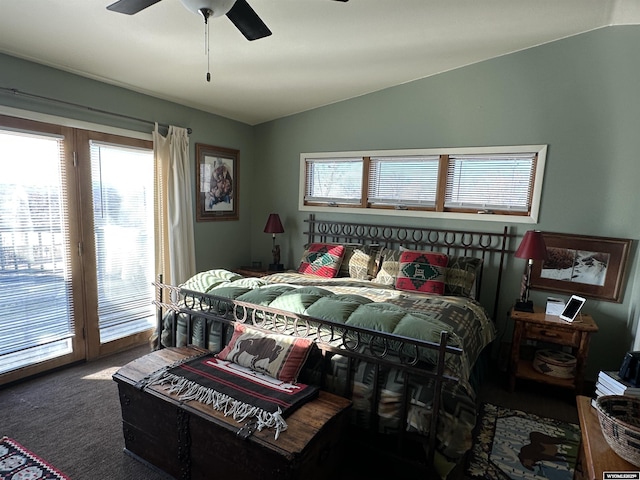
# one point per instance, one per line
(189, 440)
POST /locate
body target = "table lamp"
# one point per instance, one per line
(532, 248)
(273, 226)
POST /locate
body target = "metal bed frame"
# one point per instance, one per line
(383, 350)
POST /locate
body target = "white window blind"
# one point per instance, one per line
(35, 283)
(336, 180)
(464, 182)
(124, 235)
(403, 181)
(490, 182)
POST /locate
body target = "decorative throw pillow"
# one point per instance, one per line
(279, 356)
(322, 259)
(362, 263)
(461, 275)
(422, 271)
(349, 250)
(205, 281)
(389, 267)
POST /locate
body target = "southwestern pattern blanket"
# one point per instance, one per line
(237, 391)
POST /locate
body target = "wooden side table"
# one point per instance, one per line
(595, 456)
(252, 272)
(538, 326)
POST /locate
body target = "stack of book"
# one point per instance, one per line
(610, 383)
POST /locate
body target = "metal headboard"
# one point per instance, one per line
(491, 247)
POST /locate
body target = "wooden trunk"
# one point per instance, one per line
(189, 440)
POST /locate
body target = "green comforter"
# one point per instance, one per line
(379, 307)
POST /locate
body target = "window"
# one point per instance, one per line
(490, 182)
(403, 181)
(76, 245)
(35, 291)
(123, 229)
(471, 183)
(334, 181)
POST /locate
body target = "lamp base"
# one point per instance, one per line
(276, 267)
(521, 306)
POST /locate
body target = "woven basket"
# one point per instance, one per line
(620, 421)
(555, 363)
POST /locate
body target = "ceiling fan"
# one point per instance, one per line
(238, 11)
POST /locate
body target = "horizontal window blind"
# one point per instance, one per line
(124, 233)
(464, 182)
(403, 181)
(491, 182)
(336, 180)
(35, 273)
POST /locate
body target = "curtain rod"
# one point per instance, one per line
(17, 92)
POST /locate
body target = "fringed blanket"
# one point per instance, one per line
(236, 391)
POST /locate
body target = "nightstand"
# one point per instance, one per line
(252, 272)
(539, 327)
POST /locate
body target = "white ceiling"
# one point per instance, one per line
(321, 51)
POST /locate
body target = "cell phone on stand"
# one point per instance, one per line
(572, 308)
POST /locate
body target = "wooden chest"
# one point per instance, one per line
(189, 440)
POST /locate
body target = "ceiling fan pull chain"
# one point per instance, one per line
(208, 55)
(206, 13)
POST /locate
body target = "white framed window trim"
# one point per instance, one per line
(378, 197)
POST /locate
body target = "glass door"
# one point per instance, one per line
(124, 241)
(38, 324)
(76, 245)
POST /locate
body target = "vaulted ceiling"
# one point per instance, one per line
(320, 52)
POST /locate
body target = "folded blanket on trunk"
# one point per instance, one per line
(237, 391)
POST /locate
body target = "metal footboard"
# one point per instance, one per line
(355, 344)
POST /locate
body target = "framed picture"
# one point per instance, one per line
(589, 266)
(216, 183)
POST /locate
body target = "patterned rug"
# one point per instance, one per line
(16, 462)
(510, 444)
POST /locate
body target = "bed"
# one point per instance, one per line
(400, 320)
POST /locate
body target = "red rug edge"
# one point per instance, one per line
(21, 447)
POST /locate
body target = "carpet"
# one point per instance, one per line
(511, 444)
(16, 462)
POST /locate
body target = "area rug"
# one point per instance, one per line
(510, 444)
(18, 463)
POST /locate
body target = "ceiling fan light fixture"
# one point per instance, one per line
(217, 7)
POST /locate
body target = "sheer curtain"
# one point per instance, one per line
(175, 258)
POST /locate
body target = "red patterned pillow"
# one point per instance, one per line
(322, 259)
(279, 356)
(422, 271)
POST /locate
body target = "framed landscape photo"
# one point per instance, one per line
(589, 266)
(216, 183)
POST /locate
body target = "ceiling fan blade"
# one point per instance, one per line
(247, 21)
(130, 7)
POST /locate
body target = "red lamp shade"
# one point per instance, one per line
(532, 246)
(274, 225)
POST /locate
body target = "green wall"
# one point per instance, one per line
(578, 95)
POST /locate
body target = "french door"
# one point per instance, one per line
(76, 245)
